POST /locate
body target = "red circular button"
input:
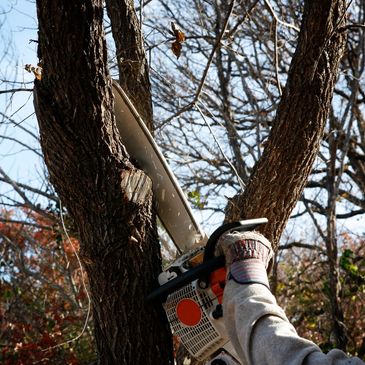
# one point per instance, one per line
(189, 313)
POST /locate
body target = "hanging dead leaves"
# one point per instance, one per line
(36, 70)
(176, 46)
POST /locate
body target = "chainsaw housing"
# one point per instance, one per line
(195, 312)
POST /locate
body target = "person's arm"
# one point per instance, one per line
(258, 328)
(262, 334)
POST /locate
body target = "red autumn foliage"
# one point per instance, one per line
(43, 302)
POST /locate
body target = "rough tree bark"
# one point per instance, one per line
(279, 177)
(109, 199)
(131, 59)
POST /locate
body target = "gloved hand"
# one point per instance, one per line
(247, 254)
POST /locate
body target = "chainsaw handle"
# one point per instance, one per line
(187, 277)
(210, 262)
(213, 239)
(242, 226)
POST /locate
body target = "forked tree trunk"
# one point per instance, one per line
(109, 199)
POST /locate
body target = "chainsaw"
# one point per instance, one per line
(191, 288)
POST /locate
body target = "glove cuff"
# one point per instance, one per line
(251, 247)
(249, 271)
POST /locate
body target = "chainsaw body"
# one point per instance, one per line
(191, 290)
(195, 313)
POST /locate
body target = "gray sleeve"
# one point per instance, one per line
(261, 333)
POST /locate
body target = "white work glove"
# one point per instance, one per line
(247, 254)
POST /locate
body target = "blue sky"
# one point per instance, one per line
(18, 20)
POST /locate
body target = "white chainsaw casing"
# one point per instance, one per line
(205, 335)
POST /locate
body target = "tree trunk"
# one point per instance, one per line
(281, 173)
(109, 199)
(334, 284)
(132, 63)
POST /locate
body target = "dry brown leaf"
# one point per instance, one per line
(176, 48)
(36, 70)
(179, 35)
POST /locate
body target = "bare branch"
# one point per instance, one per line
(21, 193)
(292, 26)
(22, 144)
(354, 26)
(300, 245)
(34, 190)
(205, 72)
(25, 223)
(311, 214)
(277, 57)
(37, 276)
(12, 91)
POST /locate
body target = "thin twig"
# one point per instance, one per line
(216, 46)
(241, 21)
(299, 245)
(351, 26)
(240, 181)
(144, 3)
(21, 193)
(277, 56)
(22, 144)
(36, 275)
(17, 124)
(14, 221)
(15, 186)
(292, 26)
(8, 91)
(319, 229)
(171, 39)
(33, 190)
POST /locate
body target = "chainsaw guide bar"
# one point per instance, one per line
(172, 206)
